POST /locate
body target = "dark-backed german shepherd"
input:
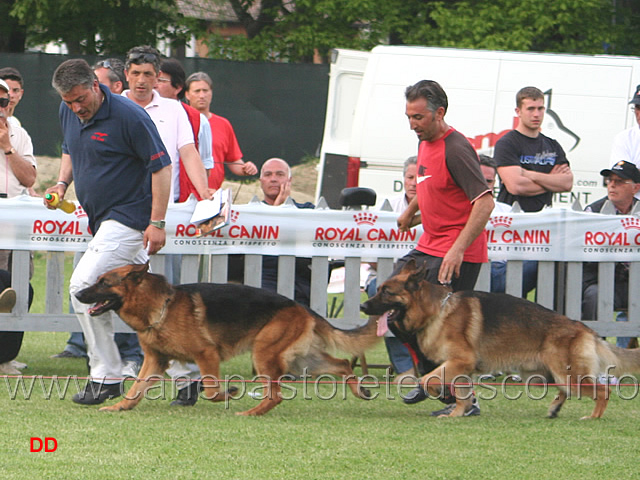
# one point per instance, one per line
(209, 323)
(476, 332)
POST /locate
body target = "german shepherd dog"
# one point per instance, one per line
(209, 323)
(476, 332)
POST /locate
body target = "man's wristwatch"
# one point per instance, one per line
(158, 224)
(10, 151)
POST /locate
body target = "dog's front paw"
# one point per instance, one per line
(112, 408)
(365, 394)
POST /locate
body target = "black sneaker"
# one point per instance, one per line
(188, 396)
(67, 354)
(472, 411)
(95, 393)
(416, 395)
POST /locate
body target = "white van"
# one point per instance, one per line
(586, 97)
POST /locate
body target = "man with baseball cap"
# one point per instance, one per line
(623, 182)
(626, 144)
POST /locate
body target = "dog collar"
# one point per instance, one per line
(445, 299)
(163, 314)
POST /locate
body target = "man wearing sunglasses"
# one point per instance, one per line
(623, 182)
(13, 78)
(18, 169)
(626, 144)
(17, 175)
(110, 72)
(142, 68)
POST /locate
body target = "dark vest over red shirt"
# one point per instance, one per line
(186, 187)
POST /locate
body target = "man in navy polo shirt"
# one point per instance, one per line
(122, 173)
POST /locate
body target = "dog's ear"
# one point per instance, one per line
(422, 271)
(138, 271)
(414, 281)
(410, 266)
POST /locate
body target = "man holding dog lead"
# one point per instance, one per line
(455, 204)
(122, 173)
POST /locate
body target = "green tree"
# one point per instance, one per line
(13, 34)
(295, 31)
(574, 26)
(101, 26)
(301, 30)
(298, 31)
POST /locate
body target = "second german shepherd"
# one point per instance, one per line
(209, 323)
(476, 332)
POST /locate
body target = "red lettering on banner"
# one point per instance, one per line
(608, 238)
(533, 237)
(257, 232)
(51, 227)
(339, 234)
(394, 235)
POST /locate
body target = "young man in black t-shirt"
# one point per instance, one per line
(532, 166)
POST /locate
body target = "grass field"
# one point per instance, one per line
(319, 434)
(317, 437)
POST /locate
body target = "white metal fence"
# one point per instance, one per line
(559, 287)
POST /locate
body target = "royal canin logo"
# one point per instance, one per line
(500, 221)
(79, 212)
(630, 223)
(235, 231)
(365, 218)
(503, 233)
(358, 234)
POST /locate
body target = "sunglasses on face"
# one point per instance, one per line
(616, 181)
(105, 64)
(4, 102)
(140, 58)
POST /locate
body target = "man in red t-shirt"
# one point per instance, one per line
(226, 151)
(454, 201)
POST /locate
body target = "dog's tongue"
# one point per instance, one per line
(383, 326)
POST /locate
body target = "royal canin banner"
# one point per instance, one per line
(560, 234)
(553, 234)
(256, 228)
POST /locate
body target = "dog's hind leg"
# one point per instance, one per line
(600, 394)
(557, 403)
(151, 371)
(270, 368)
(270, 372)
(340, 366)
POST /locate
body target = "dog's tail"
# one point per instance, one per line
(619, 361)
(355, 341)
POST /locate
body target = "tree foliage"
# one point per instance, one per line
(576, 26)
(296, 31)
(301, 30)
(282, 32)
(13, 35)
(100, 26)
